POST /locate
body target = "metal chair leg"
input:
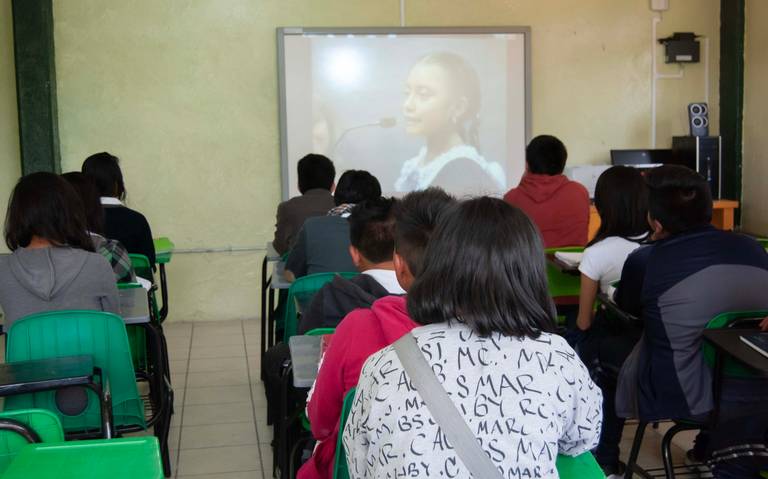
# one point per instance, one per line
(636, 443)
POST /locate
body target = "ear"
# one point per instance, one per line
(460, 108)
(657, 230)
(357, 258)
(333, 187)
(402, 271)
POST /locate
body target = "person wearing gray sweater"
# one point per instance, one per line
(53, 265)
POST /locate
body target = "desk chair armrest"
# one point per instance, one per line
(614, 309)
(21, 429)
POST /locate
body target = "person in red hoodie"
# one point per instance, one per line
(365, 331)
(558, 206)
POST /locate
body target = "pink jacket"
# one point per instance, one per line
(360, 334)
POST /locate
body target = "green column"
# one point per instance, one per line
(731, 94)
(36, 85)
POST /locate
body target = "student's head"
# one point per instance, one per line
(442, 96)
(678, 200)
(546, 155)
(104, 170)
(315, 171)
(89, 197)
(485, 267)
(355, 186)
(416, 216)
(371, 234)
(621, 199)
(46, 207)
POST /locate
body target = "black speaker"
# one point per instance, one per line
(702, 154)
(698, 119)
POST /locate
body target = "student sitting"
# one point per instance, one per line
(111, 249)
(121, 223)
(487, 336)
(53, 266)
(365, 331)
(371, 227)
(322, 245)
(690, 275)
(558, 207)
(316, 174)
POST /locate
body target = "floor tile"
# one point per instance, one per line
(218, 459)
(217, 435)
(217, 395)
(208, 365)
(202, 414)
(178, 365)
(230, 475)
(205, 352)
(217, 340)
(221, 378)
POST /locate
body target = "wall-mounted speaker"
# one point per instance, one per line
(698, 118)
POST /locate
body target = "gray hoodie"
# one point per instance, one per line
(55, 278)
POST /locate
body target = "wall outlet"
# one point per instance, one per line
(659, 5)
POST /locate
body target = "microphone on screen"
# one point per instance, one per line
(386, 122)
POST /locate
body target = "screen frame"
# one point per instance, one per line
(283, 32)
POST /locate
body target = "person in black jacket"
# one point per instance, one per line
(120, 222)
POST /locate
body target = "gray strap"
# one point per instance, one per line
(443, 410)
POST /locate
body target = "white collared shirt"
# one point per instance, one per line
(387, 278)
(110, 200)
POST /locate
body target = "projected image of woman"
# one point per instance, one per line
(442, 104)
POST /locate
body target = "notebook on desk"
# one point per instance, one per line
(571, 259)
(758, 342)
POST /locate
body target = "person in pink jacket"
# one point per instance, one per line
(365, 331)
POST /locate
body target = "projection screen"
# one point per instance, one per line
(416, 107)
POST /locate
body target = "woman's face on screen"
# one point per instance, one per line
(429, 105)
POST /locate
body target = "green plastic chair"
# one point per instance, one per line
(70, 333)
(731, 367)
(562, 284)
(127, 458)
(143, 268)
(303, 289)
(43, 423)
(583, 466)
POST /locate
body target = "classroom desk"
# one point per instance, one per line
(728, 342)
(277, 282)
(134, 305)
(271, 256)
(25, 377)
(305, 358)
(722, 216)
(163, 252)
(562, 266)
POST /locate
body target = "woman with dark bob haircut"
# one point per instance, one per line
(52, 265)
(121, 223)
(487, 323)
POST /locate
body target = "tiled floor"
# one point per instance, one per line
(219, 430)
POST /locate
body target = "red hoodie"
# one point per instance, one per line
(360, 334)
(557, 205)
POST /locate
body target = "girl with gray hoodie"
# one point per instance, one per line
(53, 265)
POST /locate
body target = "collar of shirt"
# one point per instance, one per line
(111, 200)
(387, 278)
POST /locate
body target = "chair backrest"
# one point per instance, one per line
(44, 423)
(563, 284)
(340, 468)
(69, 333)
(304, 289)
(583, 466)
(741, 319)
(142, 266)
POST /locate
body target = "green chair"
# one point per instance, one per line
(583, 466)
(128, 458)
(563, 284)
(731, 367)
(143, 268)
(303, 290)
(69, 333)
(38, 425)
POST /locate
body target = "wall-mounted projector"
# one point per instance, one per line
(681, 48)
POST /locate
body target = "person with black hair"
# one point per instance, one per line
(121, 223)
(487, 333)
(365, 331)
(690, 274)
(316, 175)
(52, 265)
(322, 245)
(112, 250)
(558, 206)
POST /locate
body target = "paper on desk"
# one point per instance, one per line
(144, 283)
(571, 259)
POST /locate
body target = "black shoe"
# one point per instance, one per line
(614, 471)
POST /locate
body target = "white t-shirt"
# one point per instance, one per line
(525, 399)
(604, 260)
